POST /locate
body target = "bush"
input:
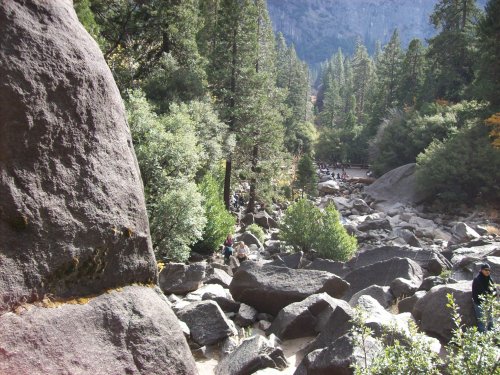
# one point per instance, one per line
(257, 231)
(469, 352)
(462, 168)
(219, 221)
(306, 227)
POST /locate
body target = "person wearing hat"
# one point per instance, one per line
(482, 285)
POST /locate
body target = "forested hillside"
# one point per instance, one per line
(318, 28)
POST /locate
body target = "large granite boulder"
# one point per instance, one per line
(435, 318)
(207, 322)
(332, 266)
(270, 288)
(72, 213)
(383, 273)
(430, 260)
(396, 186)
(252, 354)
(329, 187)
(132, 331)
(381, 294)
(304, 318)
(180, 278)
(339, 358)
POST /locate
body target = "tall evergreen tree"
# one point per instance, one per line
(452, 51)
(412, 73)
(488, 82)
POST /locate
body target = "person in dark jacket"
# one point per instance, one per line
(482, 285)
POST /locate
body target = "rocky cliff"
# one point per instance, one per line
(319, 27)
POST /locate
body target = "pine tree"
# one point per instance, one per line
(412, 73)
(488, 82)
(451, 52)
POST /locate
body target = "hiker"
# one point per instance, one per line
(242, 252)
(482, 285)
(228, 248)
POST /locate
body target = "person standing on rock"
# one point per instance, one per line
(242, 252)
(228, 248)
(482, 286)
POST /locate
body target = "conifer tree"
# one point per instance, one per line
(412, 73)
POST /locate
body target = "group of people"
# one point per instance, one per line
(238, 201)
(241, 250)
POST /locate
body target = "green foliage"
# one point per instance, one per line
(462, 168)
(169, 155)
(257, 231)
(404, 135)
(472, 352)
(219, 221)
(487, 85)
(468, 352)
(86, 17)
(306, 175)
(306, 227)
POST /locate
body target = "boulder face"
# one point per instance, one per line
(132, 331)
(396, 186)
(270, 288)
(72, 214)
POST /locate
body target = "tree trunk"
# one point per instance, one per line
(227, 183)
(253, 182)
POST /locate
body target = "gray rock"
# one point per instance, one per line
(252, 354)
(179, 278)
(383, 273)
(247, 219)
(380, 293)
(328, 187)
(408, 236)
(433, 315)
(264, 220)
(462, 233)
(430, 282)
(332, 266)
(430, 260)
(270, 288)
(72, 213)
(401, 287)
(377, 224)
(289, 260)
(339, 357)
(361, 206)
(396, 186)
(207, 322)
(218, 276)
(249, 239)
(106, 335)
(225, 302)
(339, 323)
(222, 267)
(263, 325)
(407, 304)
(304, 318)
(264, 316)
(246, 315)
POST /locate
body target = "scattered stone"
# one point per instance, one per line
(339, 357)
(401, 287)
(207, 322)
(304, 318)
(270, 288)
(252, 354)
(433, 315)
(179, 278)
(383, 273)
(462, 233)
(407, 304)
(246, 315)
(218, 276)
(381, 294)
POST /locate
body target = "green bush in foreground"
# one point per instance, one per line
(306, 227)
(468, 352)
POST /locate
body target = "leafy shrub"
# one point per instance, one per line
(257, 231)
(462, 168)
(219, 221)
(404, 135)
(306, 227)
(469, 351)
(306, 175)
